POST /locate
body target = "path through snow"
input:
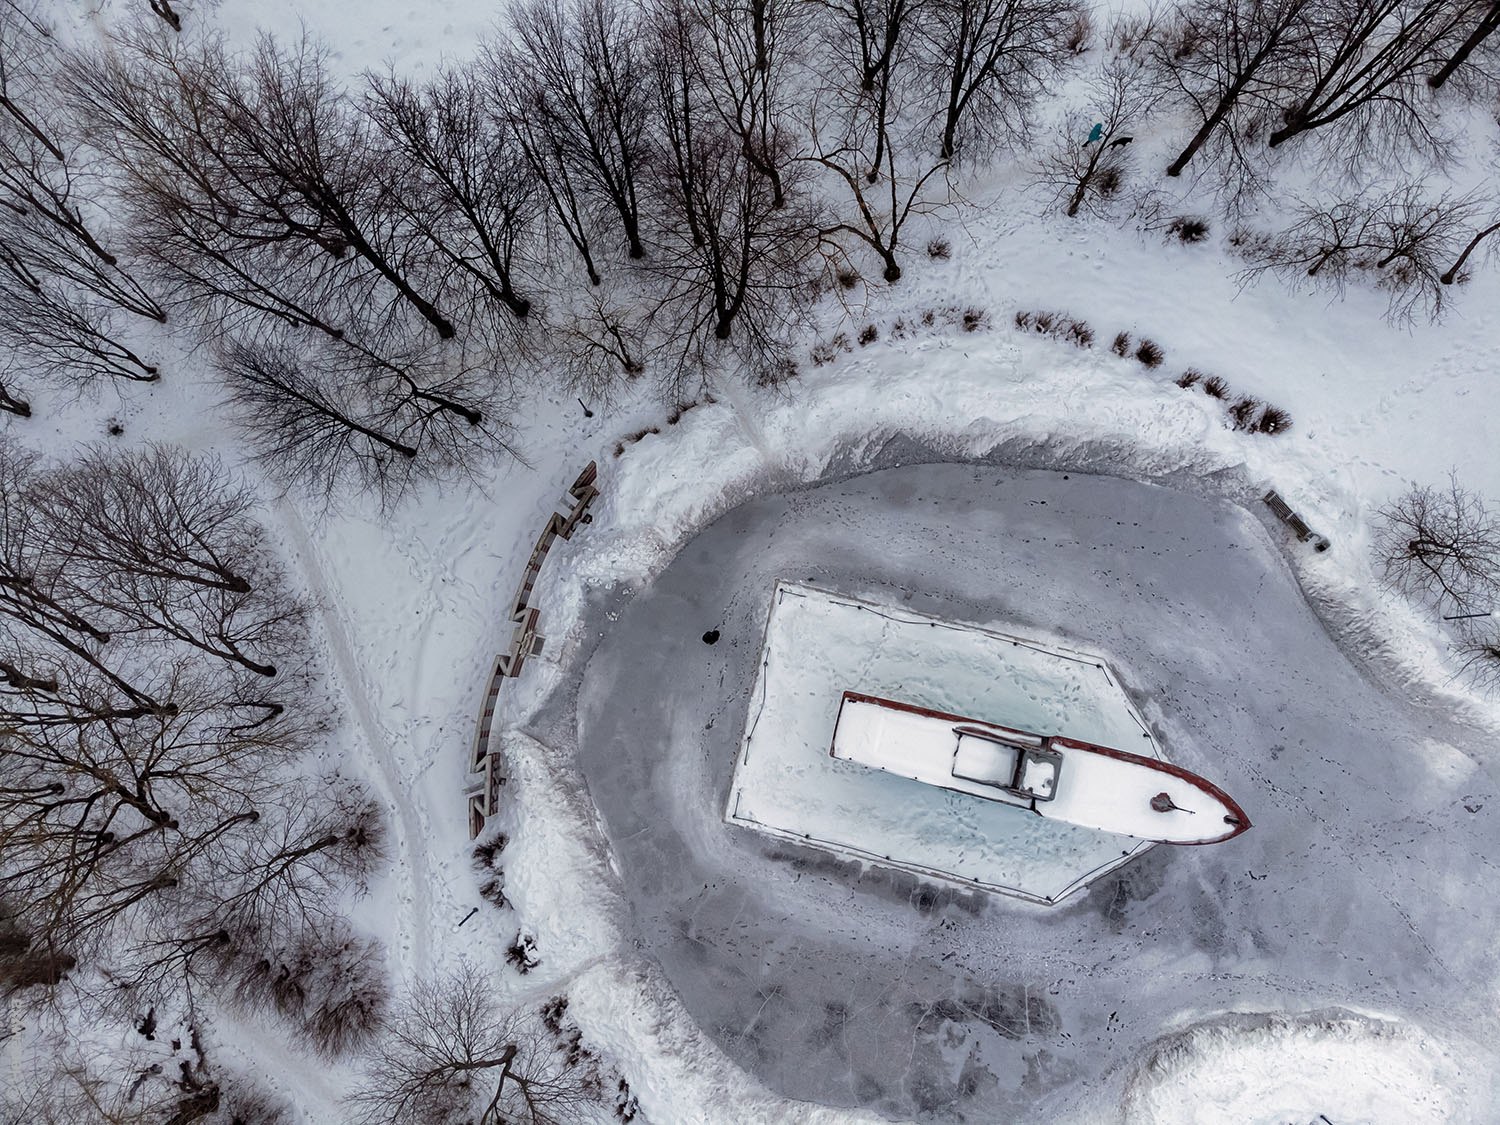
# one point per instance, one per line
(409, 934)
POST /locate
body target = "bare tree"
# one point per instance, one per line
(12, 404)
(297, 131)
(260, 166)
(1441, 545)
(453, 1054)
(1366, 70)
(134, 691)
(577, 87)
(154, 693)
(26, 44)
(164, 544)
(48, 326)
(1088, 164)
(1455, 271)
(735, 265)
(873, 36)
(1398, 236)
(1485, 26)
(324, 417)
(62, 1084)
(460, 180)
(601, 340)
(744, 52)
(44, 249)
(44, 175)
(866, 136)
(44, 191)
(884, 208)
(885, 201)
(59, 285)
(1220, 57)
(983, 62)
(168, 14)
(328, 982)
(155, 109)
(568, 199)
(872, 42)
(1478, 651)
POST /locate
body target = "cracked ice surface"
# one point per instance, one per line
(819, 645)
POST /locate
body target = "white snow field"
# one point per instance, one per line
(786, 783)
(1367, 884)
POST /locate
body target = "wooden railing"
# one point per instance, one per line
(525, 641)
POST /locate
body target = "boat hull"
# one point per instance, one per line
(1059, 778)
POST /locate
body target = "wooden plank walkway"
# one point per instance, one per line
(525, 641)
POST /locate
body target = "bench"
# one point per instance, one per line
(1283, 511)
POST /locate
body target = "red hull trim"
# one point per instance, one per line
(1201, 783)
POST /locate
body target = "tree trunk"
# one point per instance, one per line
(467, 413)
(362, 247)
(632, 236)
(1448, 278)
(1284, 134)
(1487, 26)
(31, 127)
(17, 406)
(1200, 138)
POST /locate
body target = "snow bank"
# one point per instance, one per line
(1009, 400)
(561, 882)
(1272, 1069)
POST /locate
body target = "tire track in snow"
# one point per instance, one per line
(411, 859)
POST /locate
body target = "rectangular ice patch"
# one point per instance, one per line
(791, 780)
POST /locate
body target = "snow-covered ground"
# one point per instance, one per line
(414, 604)
(1366, 884)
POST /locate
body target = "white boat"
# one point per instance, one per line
(1061, 778)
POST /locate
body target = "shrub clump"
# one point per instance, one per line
(1079, 34)
(1149, 353)
(940, 249)
(1121, 344)
(1189, 229)
(1079, 334)
(522, 954)
(1243, 412)
(1058, 326)
(1273, 420)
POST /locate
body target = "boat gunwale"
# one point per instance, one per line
(1193, 779)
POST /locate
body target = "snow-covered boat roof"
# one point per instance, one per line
(1055, 777)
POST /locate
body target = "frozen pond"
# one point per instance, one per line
(1368, 880)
